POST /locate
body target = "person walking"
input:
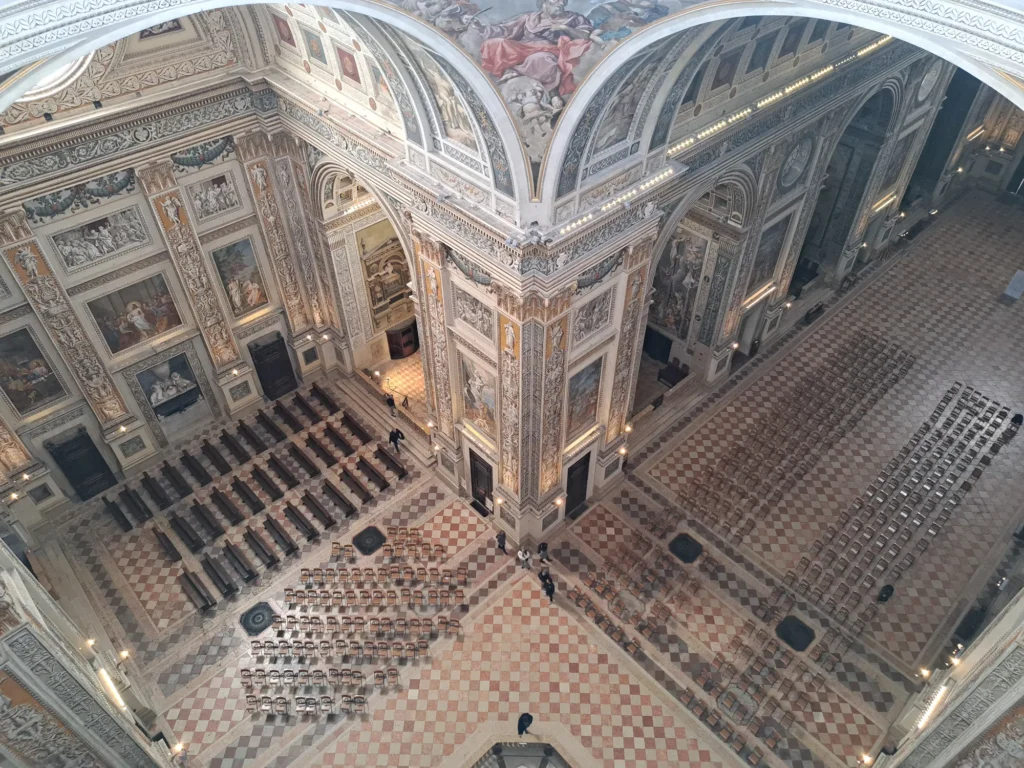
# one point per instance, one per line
(390, 400)
(524, 558)
(500, 538)
(549, 589)
(394, 436)
(525, 721)
(542, 552)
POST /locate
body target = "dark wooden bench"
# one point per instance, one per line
(240, 563)
(301, 522)
(186, 533)
(304, 460)
(197, 470)
(135, 505)
(252, 501)
(339, 440)
(219, 576)
(251, 437)
(167, 545)
(233, 445)
(280, 535)
(197, 591)
(334, 493)
(355, 427)
(266, 482)
(814, 313)
(177, 482)
(389, 460)
(117, 514)
(276, 433)
(282, 471)
(326, 519)
(373, 473)
(227, 507)
(207, 520)
(357, 486)
(308, 410)
(155, 491)
(286, 416)
(218, 461)
(321, 453)
(260, 548)
(325, 399)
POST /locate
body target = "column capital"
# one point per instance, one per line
(252, 145)
(14, 226)
(156, 177)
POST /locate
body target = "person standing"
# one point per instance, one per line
(549, 589)
(394, 436)
(524, 558)
(525, 721)
(500, 538)
(542, 552)
(390, 400)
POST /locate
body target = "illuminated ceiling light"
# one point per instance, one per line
(325, 337)
(234, 371)
(14, 497)
(124, 428)
(558, 501)
(629, 428)
(867, 759)
(309, 337)
(430, 425)
(90, 642)
(124, 655)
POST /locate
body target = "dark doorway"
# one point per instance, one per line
(576, 485)
(657, 345)
(481, 480)
(274, 367)
(403, 341)
(82, 464)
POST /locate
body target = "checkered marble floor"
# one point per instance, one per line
(404, 378)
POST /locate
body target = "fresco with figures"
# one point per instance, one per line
(479, 394)
(135, 314)
(26, 375)
(584, 398)
(240, 275)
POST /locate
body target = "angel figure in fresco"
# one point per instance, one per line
(170, 206)
(618, 18)
(27, 261)
(259, 177)
(510, 338)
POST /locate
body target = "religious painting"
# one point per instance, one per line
(239, 273)
(676, 281)
(584, 398)
(214, 197)
(618, 118)
(170, 386)
(762, 52)
(135, 314)
(470, 310)
(768, 251)
(161, 29)
(284, 31)
(348, 64)
(314, 46)
(728, 63)
(791, 42)
(479, 396)
(103, 238)
(455, 120)
(26, 375)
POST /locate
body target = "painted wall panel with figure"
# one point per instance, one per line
(135, 314)
(240, 275)
(26, 374)
(479, 396)
(676, 282)
(584, 398)
(114, 234)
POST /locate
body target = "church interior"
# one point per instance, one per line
(376, 373)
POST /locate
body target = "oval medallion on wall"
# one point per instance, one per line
(931, 77)
(795, 163)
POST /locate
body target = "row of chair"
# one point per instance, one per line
(359, 625)
(308, 651)
(307, 705)
(303, 678)
(377, 598)
(383, 576)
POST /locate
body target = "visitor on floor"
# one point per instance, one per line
(542, 552)
(394, 436)
(500, 539)
(525, 721)
(524, 558)
(391, 403)
(549, 589)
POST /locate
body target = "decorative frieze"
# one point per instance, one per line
(554, 404)
(509, 372)
(168, 205)
(295, 223)
(630, 339)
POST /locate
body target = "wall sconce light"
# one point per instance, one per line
(309, 337)
(178, 748)
(925, 672)
(124, 655)
(234, 371)
(436, 447)
(622, 451)
(954, 661)
(325, 337)
(1002, 149)
(867, 759)
(988, 148)
(735, 345)
(377, 374)
(934, 212)
(788, 305)
(629, 428)
(124, 428)
(26, 476)
(498, 500)
(960, 169)
(558, 501)
(90, 642)
(14, 497)
(863, 245)
(430, 425)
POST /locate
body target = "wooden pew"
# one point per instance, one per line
(304, 460)
(280, 535)
(227, 507)
(117, 514)
(321, 453)
(326, 519)
(282, 471)
(355, 427)
(233, 445)
(155, 491)
(286, 416)
(339, 440)
(334, 493)
(207, 520)
(301, 522)
(266, 482)
(357, 486)
(251, 437)
(177, 482)
(167, 545)
(191, 463)
(219, 576)
(373, 473)
(252, 501)
(308, 410)
(240, 563)
(325, 399)
(135, 505)
(260, 547)
(186, 533)
(276, 433)
(389, 460)
(218, 461)
(197, 591)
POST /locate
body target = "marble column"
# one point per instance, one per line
(233, 375)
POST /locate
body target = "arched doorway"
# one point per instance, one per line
(840, 198)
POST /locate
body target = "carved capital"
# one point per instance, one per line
(253, 145)
(14, 227)
(156, 177)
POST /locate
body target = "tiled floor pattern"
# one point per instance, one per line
(454, 527)
(404, 378)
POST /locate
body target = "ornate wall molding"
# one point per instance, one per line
(556, 341)
(117, 274)
(56, 422)
(13, 453)
(509, 372)
(295, 224)
(52, 305)
(14, 314)
(623, 384)
(167, 202)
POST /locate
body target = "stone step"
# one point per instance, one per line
(372, 408)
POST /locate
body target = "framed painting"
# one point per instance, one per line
(103, 238)
(214, 197)
(135, 314)
(240, 275)
(584, 397)
(347, 62)
(284, 31)
(26, 376)
(314, 47)
(170, 386)
(479, 396)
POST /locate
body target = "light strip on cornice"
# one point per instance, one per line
(359, 206)
(773, 98)
(621, 199)
(883, 203)
(767, 290)
(976, 133)
(932, 706)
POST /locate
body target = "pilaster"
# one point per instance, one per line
(167, 201)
